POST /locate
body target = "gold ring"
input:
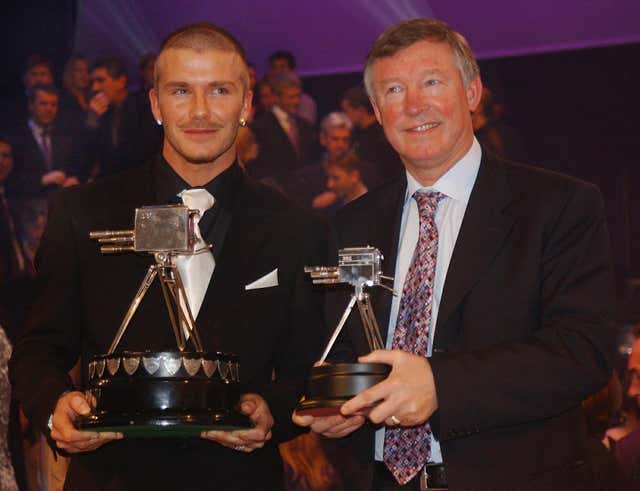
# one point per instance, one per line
(394, 420)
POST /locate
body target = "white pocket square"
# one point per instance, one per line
(267, 281)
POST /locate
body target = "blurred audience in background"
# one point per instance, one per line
(283, 61)
(369, 141)
(74, 97)
(286, 141)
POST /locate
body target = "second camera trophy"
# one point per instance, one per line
(181, 392)
(331, 385)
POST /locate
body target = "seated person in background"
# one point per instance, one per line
(286, 141)
(74, 99)
(284, 62)
(628, 447)
(105, 119)
(122, 132)
(264, 96)
(369, 141)
(344, 183)
(12, 260)
(44, 153)
(335, 137)
(37, 70)
(629, 421)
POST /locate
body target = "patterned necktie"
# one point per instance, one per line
(196, 270)
(45, 138)
(406, 450)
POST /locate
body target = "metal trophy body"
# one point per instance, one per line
(330, 385)
(167, 393)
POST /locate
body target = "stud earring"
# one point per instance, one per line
(159, 122)
(243, 122)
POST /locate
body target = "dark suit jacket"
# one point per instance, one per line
(29, 164)
(83, 295)
(522, 333)
(277, 158)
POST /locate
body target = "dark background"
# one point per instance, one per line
(576, 111)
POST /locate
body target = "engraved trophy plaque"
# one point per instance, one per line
(168, 393)
(331, 385)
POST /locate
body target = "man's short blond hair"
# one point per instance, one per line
(409, 32)
(202, 36)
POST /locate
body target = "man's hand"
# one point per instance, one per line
(70, 181)
(64, 433)
(99, 103)
(256, 408)
(53, 177)
(407, 395)
(335, 426)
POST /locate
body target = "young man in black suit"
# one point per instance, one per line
(258, 303)
(500, 326)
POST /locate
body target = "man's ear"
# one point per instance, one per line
(155, 106)
(245, 113)
(474, 93)
(376, 111)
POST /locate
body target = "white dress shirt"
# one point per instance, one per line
(456, 185)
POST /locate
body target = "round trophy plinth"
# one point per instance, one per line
(167, 393)
(330, 386)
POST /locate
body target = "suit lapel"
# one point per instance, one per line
(248, 229)
(484, 229)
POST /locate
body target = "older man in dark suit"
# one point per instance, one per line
(500, 326)
(45, 155)
(255, 303)
(286, 142)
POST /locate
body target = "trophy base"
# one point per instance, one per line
(330, 386)
(163, 394)
(162, 425)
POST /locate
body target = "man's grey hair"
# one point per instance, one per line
(335, 119)
(409, 32)
(283, 81)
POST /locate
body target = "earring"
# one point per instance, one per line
(159, 122)
(243, 122)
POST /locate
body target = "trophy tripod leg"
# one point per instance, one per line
(336, 333)
(184, 312)
(172, 304)
(371, 328)
(144, 287)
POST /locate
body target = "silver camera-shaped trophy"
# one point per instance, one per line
(162, 393)
(330, 385)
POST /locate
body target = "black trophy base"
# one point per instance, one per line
(330, 386)
(160, 425)
(163, 394)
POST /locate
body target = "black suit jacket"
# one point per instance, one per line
(277, 159)
(30, 165)
(523, 330)
(83, 295)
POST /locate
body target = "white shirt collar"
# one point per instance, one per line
(280, 113)
(458, 181)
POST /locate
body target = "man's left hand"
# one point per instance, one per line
(407, 396)
(257, 409)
